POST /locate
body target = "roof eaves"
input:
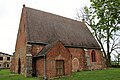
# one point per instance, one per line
(34, 42)
(43, 43)
(5, 53)
(86, 47)
(42, 55)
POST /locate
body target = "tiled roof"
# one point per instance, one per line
(45, 27)
(5, 54)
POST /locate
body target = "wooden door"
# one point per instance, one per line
(59, 67)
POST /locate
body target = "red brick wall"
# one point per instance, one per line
(99, 64)
(40, 67)
(21, 36)
(78, 53)
(58, 52)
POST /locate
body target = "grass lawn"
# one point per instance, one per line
(5, 74)
(107, 74)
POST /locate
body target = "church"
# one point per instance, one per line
(50, 45)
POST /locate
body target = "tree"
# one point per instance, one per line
(104, 18)
(117, 60)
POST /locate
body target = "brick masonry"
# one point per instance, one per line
(58, 52)
(76, 59)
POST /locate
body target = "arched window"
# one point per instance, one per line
(93, 56)
(7, 65)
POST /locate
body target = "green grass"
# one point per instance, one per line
(4, 71)
(107, 74)
(5, 74)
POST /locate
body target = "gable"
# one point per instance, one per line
(21, 36)
(45, 27)
(56, 47)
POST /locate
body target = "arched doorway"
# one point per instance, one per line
(19, 66)
(75, 65)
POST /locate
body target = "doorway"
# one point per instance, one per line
(19, 66)
(59, 67)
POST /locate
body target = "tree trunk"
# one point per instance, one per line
(108, 47)
(106, 57)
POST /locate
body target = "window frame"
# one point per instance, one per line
(93, 56)
(1, 58)
(8, 58)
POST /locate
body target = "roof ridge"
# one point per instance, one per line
(54, 14)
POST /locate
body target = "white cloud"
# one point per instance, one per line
(10, 11)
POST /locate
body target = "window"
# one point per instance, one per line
(0, 65)
(1, 58)
(93, 56)
(8, 58)
(7, 65)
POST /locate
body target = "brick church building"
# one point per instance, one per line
(49, 45)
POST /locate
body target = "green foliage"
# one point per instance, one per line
(104, 15)
(104, 18)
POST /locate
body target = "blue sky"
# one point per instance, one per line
(10, 12)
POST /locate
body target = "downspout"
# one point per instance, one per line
(45, 67)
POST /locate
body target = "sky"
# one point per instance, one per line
(10, 13)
